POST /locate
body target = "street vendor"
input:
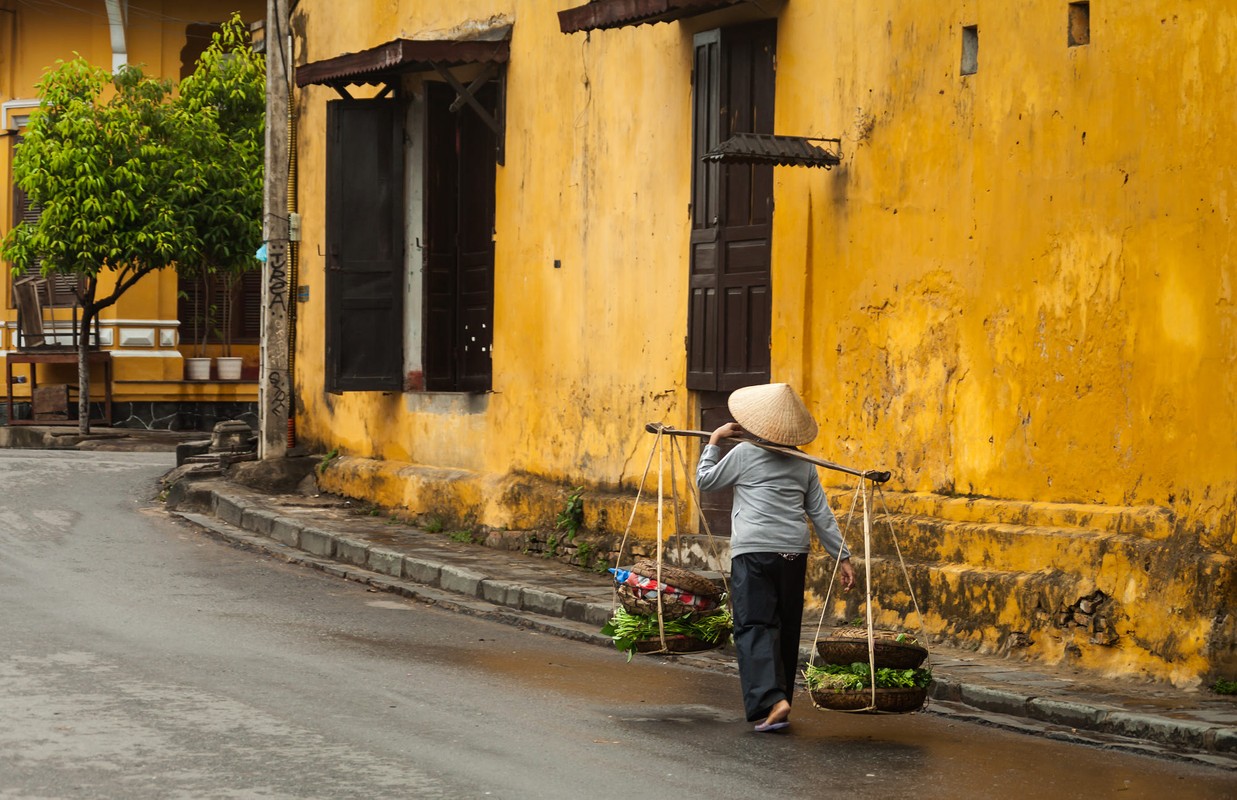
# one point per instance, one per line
(774, 496)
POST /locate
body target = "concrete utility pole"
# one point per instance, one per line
(275, 380)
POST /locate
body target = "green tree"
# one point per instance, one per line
(220, 181)
(130, 180)
(101, 166)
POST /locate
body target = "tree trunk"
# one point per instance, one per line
(83, 370)
(204, 319)
(225, 330)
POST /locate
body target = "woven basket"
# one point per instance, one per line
(674, 644)
(892, 701)
(683, 579)
(647, 607)
(852, 646)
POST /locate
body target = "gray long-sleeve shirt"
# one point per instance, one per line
(774, 495)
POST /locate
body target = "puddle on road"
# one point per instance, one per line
(539, 662)
(390, 604)
(681, 714)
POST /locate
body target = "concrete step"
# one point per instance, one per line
(1148, 522)
(1100, 598)
(1002, 546)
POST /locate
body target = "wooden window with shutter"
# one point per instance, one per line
(59, 289)
(364, 245)
(194, 297)
(460, 167)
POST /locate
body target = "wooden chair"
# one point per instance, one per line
(29, 312)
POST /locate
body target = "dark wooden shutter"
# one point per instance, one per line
(248, 315)
(476, 258)
(193, 298)
(58, 289)
(441, 228)
(365, 245)
(730, 316)
(194, 295)
(706, 214)
(459, 225)
(747, 230)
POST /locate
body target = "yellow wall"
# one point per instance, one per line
(32, 39)
(1017, 285)
(980, 297)
(580, 349)
(1020, 280)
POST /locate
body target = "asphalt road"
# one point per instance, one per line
(140, 658)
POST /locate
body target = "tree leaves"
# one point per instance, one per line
(130, 178)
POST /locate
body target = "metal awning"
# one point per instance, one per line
(383, 65)
(379, 65)
(601, 14)
(767, 148)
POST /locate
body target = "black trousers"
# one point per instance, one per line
(767, 598)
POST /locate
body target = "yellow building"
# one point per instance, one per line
(1009, 280)
(147, 335)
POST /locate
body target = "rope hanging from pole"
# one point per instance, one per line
(677, 456)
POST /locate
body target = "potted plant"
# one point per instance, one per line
(227, 365)
(198, 366)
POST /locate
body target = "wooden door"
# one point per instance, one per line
(730, 312)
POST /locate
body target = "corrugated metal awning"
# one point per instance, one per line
(380, 64)
(767, 148)
(600, 14)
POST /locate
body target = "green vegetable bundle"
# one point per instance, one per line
(859, 676)
(626, 628)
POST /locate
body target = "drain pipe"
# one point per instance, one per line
(117, 12)
(9, 90)
(294, 251)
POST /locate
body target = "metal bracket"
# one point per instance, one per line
(465, 97)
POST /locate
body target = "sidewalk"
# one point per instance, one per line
(548, 596)
(101, 437)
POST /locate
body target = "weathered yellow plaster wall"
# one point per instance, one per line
(1019, 282)
(1015, 292)
(1011, 287)
(583, 351)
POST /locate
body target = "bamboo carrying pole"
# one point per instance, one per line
(876, 476)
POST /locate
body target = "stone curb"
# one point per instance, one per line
(449, 601)
(302, 535)
(457, 588)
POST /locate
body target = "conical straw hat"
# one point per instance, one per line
(774, 413)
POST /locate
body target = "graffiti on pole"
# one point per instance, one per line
(277, 398)
(277, 279)
(275, 395)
